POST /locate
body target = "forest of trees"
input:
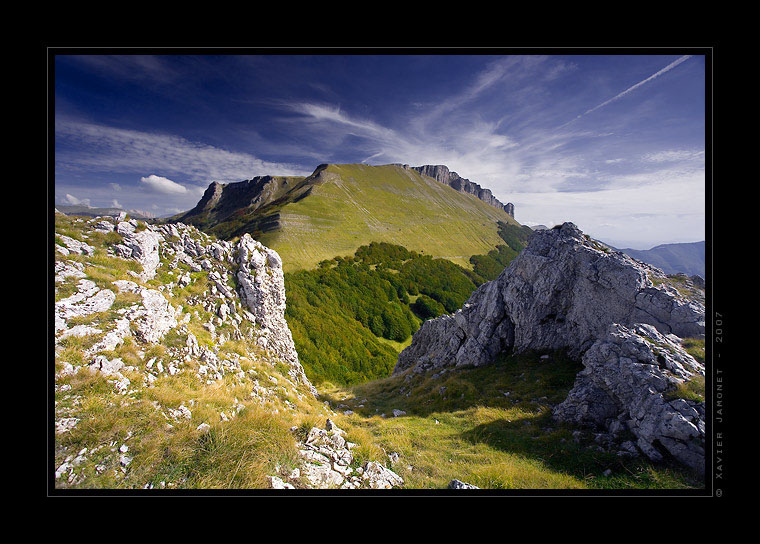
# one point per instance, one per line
(339, 312)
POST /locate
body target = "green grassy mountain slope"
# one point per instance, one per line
(342, 207)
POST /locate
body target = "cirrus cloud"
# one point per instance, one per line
(91, 147)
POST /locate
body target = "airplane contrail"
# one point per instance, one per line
(640, 83)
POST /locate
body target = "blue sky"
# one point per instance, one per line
(612, 142)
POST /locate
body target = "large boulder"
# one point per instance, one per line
(561, 292)
(630, 376)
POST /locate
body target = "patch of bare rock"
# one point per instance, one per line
(326, 460)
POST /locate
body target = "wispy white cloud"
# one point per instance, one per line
(675, 155)
(128, 67)
(635, 211)
(511, 71)
(352, 125)
(89, 151)
(82, 146)
(543, 168)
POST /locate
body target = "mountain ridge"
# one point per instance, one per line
(687, 258)
(88, 211)
(346, 206)
(442, 173)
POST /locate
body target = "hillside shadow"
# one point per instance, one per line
(529, 382)
(541, 439)
(574, 451)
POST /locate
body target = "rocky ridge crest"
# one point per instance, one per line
(440, 172)
(260, 298)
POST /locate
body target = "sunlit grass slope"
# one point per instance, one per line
(492, 427)
(351, 205)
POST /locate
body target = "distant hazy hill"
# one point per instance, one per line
(688, 258)
(339, 208)
(95, 212)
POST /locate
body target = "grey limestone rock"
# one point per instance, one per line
(456, 484)
(66, 269)
(326, 457)
(142, 246)
(154, 318)
(103, 226)
(377, 476)
(628, 375)
(145, 247)
(74, 246)
(88, 299)
(561, 292)
(261, 287)
(441, 173)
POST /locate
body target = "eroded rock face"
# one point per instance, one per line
(262, 290)
(154, 318)
(561, 292)
(629, 376)
(143, 246)
(441, 173)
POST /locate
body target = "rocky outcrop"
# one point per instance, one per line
(89, 299)
(564, 291)
(628, 382)
(442, 173)
(262, 291)
(457, 484)
(561, 292)
(220, 200)
(154, 317)
(142, 246)
(253, 268)
(161, 328)
(76, 247)
(326, 460)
